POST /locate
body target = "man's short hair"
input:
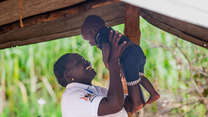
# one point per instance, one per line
(92, 22)
(59, 69)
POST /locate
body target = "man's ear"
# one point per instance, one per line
(67, 76)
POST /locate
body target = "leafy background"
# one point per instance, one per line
(178, 69)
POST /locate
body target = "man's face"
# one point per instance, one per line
(82, 70)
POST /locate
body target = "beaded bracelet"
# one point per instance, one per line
(133, 83)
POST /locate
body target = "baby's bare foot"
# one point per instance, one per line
(153, 98)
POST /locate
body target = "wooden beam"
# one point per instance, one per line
(189, 32)
(58, 24)
(9, 8)
(54, 15)
(67, 22)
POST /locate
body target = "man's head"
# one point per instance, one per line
(73, 68)
(90, 27)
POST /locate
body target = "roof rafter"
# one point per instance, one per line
(67, 21)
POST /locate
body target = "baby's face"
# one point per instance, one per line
(90, 37)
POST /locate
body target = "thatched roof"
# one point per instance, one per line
(45, 20)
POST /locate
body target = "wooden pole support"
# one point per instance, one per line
(131, 30)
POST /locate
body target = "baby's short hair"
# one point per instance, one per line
(92, 22)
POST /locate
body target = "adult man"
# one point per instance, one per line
(81, 98)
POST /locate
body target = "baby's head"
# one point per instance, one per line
(90, 27)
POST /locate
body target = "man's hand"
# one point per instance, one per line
(116, 49)
(107, 47)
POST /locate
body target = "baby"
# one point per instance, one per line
(132, 59)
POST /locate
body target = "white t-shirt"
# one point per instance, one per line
(81, 100)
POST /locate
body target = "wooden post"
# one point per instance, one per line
(131, 30)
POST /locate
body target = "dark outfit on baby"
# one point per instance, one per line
(132, 59)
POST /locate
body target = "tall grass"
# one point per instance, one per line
(29, 88)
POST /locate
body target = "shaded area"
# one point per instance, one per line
(178, 69)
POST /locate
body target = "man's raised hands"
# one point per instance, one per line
(116, 49)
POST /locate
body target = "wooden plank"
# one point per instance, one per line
(9, 8)
(50, 16)
(66, 24)
(189, 32)
(199, 32)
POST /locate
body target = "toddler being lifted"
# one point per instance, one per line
(132, 59)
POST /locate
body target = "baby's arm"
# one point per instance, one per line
(106, 51)
(149, 87)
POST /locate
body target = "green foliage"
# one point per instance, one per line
(26, 73)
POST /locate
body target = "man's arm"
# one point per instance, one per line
(114, 101)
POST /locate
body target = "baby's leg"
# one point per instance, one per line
(136, 95)
(148, 86)
(130, 60)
